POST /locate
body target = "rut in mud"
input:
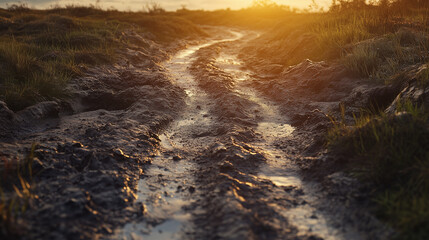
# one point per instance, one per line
(222, 170)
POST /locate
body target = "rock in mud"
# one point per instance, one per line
(415, 91)
(414, 94)
(381, 97)
(39, 111)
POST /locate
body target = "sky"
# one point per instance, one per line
(171, 5)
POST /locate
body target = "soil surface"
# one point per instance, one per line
(201, 146)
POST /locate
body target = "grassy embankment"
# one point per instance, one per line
(390, 151)
(380, 44)
(41, 50)
(335, 35)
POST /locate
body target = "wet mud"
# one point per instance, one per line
(194, 146)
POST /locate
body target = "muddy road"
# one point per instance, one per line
(226, 167)
(192, 148)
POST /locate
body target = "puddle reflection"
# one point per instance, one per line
(273, 129)
(278, 168)
(283, 181)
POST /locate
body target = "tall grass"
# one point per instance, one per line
(363, 60)
(335, 31)
(391, 153)
(26, 80)
(388, 152)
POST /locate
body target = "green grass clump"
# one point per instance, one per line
(363, 61)
(391, 153)
(27, 80)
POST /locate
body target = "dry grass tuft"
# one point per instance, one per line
(16, 186)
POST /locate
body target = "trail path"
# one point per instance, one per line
(193, 147)
(220, 171)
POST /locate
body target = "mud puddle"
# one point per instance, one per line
(273, 127)
(164, 192)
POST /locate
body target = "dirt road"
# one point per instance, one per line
(189, 149)
(224, 169)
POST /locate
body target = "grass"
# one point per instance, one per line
(27, 80)
(391, 153)
(335, 31)
(40, 53)
(16, 194)
(315, 36)
(373, 45)
(384, 56)
(334, 36)
(41, 50)
(362, 60)
(388, 152)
